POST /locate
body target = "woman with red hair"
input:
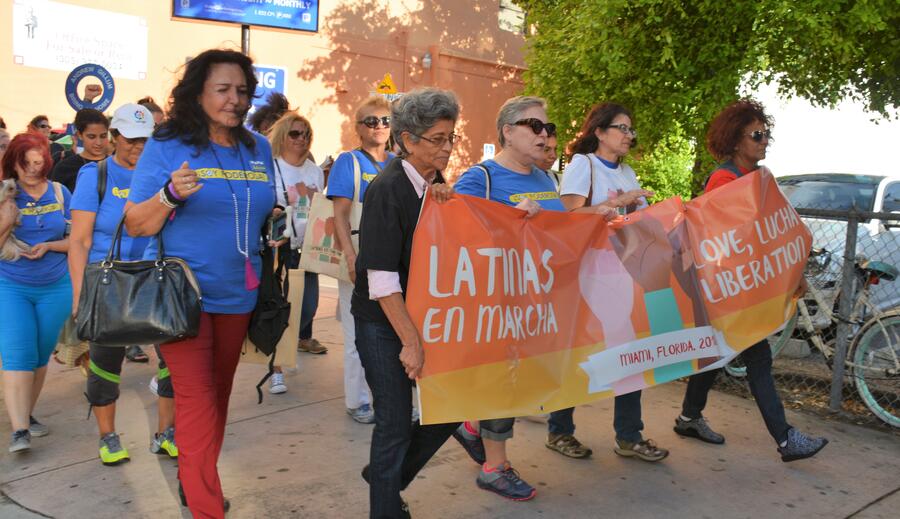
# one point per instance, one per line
(35, 289)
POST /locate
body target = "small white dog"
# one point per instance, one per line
(13, 247)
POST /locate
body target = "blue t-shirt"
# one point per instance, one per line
(108, 214)
(204, 232)
(509, 187)
(42, 221)
(340, 180)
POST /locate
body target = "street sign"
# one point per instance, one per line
(269, 79)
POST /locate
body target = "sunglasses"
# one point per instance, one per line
(44, 125)
(372, 121)
(624, 128)
(759, 135)
(440, 140)
(537, 126)
(296, 134)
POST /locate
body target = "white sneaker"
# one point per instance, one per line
(278, 386)
(154, 386)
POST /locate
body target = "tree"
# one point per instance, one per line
(676, 63)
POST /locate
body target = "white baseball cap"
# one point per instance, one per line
(133, 121)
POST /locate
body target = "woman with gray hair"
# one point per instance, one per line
(513, 178)
(388, 342)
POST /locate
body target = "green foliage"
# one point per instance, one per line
(677, 63)
(666, 169)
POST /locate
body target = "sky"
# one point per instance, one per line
(841, 140)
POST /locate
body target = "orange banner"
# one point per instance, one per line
(524, 316)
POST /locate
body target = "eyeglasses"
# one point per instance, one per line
(296, 134)
(759, 135)
(372, 121)
(537, 126)
(624, 128)
(440, 140)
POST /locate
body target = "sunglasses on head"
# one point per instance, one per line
(296, 134)
(759, 135)
(537, 126)
(372, 121)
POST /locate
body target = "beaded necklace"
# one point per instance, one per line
(251, 281)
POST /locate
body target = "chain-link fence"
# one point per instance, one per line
(840, 355)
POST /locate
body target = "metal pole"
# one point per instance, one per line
(245, 39)
(845, 306)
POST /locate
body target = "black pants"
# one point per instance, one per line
(104, 375)
(758, 359)
(399, 448)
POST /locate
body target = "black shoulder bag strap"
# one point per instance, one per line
(374, 162)
(281, 274)
(101, 180)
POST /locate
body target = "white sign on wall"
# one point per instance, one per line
(60, 36)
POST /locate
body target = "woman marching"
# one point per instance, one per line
(206, 183)
(95, 216)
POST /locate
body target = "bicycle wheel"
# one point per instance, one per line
(875, 366)
(777, 341)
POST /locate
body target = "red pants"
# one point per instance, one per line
(202, 370)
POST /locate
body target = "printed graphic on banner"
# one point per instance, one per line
(301, 15)
(61, 36)
(521, 317)
(107, 86)
(269, 79)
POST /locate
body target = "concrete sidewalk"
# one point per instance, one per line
(299, 455)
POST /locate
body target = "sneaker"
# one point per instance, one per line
(567, 445)
(311, 346)
(136, 354)
(698, 428)
(472, 443)
(362, 414)
(277, 386)
(36, 428)
(800, 446)
(111, 450)
(505, 482)
(646, 450)
(21, 441)
(154, 386)
(164, 443)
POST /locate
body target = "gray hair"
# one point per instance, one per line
(511, 111)
(419, 110)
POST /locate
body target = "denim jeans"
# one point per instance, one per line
(399, 448)
(309, 305)
(758, 359)
(626, 419)
(498, 429)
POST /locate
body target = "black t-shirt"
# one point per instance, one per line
(389, 218)
(66, 171)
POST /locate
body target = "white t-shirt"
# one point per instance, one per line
(300, 183)
(607, 182)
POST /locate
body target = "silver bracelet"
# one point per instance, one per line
(165, 201)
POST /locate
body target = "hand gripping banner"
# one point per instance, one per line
(525, 316)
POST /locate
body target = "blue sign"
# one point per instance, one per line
(106, 83)
(269, 79)
(301, 15)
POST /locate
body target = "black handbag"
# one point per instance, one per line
(138, 302)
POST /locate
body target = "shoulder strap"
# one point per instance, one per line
(101, 181)
(57, 191)
(374, 162)
(590, 196)
(287, 201)
(727, 165)
(487, 179)
(357, 178)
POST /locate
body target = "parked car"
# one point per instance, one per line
(877, 239)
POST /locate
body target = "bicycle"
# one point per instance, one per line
(873, 359)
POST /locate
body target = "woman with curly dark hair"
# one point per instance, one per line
(738, 137)
(206, 182)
